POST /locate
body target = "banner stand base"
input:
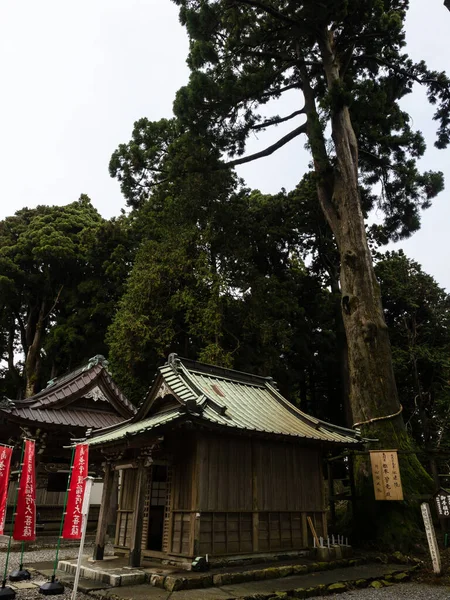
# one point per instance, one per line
(7, 593)
(51, 588)
(20, 575)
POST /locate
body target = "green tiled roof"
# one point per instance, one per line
(226, 398)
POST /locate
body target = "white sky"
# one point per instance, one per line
(76, 75)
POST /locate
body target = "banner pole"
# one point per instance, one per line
(21, 556)
(11, 592)
(55, 564)
(84, 514)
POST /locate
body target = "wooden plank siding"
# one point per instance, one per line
(230, 495)
(252, 496)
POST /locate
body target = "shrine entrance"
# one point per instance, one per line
(157, 507)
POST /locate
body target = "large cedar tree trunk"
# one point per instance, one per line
(373, 391)
(35, 332)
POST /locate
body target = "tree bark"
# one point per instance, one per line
(35, 332)
(341, 340)
(373, 391)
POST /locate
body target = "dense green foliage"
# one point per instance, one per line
(61, 271)
(417, 312)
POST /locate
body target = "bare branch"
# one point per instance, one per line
(54, 303)
(270, 150)
(278, 120)
(286, 88)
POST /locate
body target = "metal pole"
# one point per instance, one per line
(84, 516)
(55, 564)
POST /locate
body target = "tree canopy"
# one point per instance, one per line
(61, 269)
(347, 62)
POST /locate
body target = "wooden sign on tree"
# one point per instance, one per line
(387, 482)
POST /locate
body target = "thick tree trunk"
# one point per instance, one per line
(373, 392)
(32, 360)
(341, 339)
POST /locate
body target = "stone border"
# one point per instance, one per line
(173, 583)
(320, 590)
(336, 588)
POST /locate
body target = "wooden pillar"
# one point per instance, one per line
(105, 513)
(255, 513)
(134, 559)
(324, 525)
(351, 468)
(304, 530)
(331, 499)
(194, 533)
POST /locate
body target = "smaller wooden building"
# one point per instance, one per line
(70, 406)
(215, 462)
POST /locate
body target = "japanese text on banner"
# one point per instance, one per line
(5, 466)
(73, 518)
(25, 522)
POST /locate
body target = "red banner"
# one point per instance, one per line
(5, 466)
(73, 517)
(25, 522)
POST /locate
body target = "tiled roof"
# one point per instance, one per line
(56, 404)
(131, 429)
(66, 417)
(227, 398)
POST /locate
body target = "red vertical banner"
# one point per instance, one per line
(5, 467)
(73, 517)
(25, 522)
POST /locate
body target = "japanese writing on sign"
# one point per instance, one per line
(25, 522)
(431, 537)
(442, 500)
(72, 528)
(5, 464)
(387, 482)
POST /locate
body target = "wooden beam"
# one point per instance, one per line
(313, 531)
(134, 559)
(105, 513)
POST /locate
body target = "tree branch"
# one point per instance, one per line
(278, 120)
(270, 150)
(54, 303)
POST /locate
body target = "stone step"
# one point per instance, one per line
(112, 577)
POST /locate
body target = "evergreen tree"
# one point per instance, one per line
(60, 275)
(348, 64)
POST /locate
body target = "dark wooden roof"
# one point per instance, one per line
(84, 398)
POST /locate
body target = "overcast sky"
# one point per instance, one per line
(76, 75)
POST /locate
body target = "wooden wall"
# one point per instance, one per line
(245, 496)
(242, 475)
(224, 474)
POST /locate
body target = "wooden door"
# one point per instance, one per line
(157, 507)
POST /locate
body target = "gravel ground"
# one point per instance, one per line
(44, 554)
(409, 591)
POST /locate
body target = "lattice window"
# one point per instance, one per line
(126, 507)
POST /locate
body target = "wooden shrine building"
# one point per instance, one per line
(69, 407)
(214, 462)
